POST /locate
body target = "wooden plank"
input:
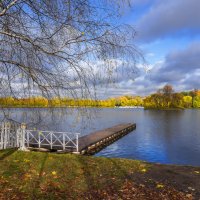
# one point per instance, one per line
(93, 138)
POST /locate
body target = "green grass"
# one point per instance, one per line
(35, 175)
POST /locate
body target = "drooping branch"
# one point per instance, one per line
(60, 45)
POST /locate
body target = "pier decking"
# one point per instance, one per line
(94, 142)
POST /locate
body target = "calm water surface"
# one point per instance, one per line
(171, 137)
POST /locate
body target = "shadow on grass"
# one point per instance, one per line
(123, 173)
(37, 182)
(93, 178)
(89, 180)
(103, 179)
(5, 153)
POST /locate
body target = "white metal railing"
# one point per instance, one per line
(12, 135)
(8, 137)
(51, 139)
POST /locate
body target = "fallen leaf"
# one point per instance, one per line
(54, 173)
(189, 195)
(159, 186)
(143, 170)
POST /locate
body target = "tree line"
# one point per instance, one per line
(69, 102)
(164, 98)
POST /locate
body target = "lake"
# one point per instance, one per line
(169, 137)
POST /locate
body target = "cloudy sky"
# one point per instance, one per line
(168, 33)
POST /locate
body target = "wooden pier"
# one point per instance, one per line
(62, 142)
(94, 142)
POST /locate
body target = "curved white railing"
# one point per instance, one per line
(18, 136)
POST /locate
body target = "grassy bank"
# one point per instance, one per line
(34, 175)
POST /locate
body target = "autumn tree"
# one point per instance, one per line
(167, 92)
(164, 98)
(187, 101)
(177, 100)
(193, 94)
(197, 102)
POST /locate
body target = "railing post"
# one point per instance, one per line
(51, 135)
(23, 127)
(1, 136)
(27, 139)
(77, 142)
(63, 141)
(39, 138)
(21, 137)
(5, 135)
(15, 137)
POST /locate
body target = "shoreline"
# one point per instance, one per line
(116, 107)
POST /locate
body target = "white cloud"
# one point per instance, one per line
(179, 68)
(166, 18)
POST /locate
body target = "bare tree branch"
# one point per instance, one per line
(3, 12)
(53, 47)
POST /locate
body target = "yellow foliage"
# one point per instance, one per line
(187, 99)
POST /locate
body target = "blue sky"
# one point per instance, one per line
(168, 34)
